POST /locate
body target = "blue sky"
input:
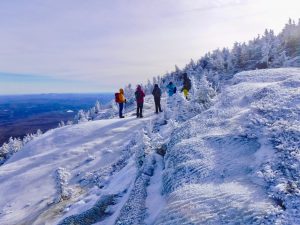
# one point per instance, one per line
(93, 46)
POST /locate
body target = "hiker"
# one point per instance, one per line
(139, 96)
(171, 88)
(121, 100)
(157, 94)
(186, 85)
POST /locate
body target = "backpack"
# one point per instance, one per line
(174, 90)
(117, 97)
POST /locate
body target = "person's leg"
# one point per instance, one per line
(159, 106)
(141, 110)
(137, 110)
(156, 105)
(121, 109)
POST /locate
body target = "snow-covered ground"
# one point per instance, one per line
(63, 165)
(237, 162)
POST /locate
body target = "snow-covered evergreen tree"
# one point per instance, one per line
(69, 122)
(38, 133)
(15, 144)
(203, 92)
(81, 117)
(61, 124)
(27, 138)
(97, 107)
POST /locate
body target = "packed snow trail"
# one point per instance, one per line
(29, 182)
(134, 205)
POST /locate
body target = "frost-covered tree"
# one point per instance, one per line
(38, 133)
(61, 124)
(69, 122)
(81, 117)
(27, 138)
(15, 144)
(4, 150)
(266, 51)
(148, 88)
(93, 112)
(129, 94)
(218, 61)
(203, 92)
(97, 107)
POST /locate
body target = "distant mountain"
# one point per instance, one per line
(22, 114)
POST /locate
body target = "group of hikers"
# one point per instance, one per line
(139, 96)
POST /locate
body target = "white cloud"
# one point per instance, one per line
(126, 41)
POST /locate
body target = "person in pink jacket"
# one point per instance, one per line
(139, 96)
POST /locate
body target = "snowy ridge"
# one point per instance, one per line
(214, 161)
(234, 160)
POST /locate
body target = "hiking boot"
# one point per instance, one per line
(122, 116)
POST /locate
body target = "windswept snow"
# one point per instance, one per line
(34, 179)
(217, 163)
(236, 162)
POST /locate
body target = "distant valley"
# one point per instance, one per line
(22, 114)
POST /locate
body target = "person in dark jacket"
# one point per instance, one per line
(186, 85)
(139, 96)
(157, 94)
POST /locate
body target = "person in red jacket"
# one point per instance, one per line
(139, 96)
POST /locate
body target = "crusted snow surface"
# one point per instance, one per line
(55, 174)
(234, 163)
(238, 162)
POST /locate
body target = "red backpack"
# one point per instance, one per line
(117, 98)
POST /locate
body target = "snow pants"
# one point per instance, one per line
(121, 106)
(139, 110)
(157, 104)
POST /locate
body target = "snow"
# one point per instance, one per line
(28, 178)
(232, 160)
(155, 201)
(220, 164)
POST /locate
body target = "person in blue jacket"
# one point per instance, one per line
(171, 89)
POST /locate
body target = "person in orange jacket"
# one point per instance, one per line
(122, 101)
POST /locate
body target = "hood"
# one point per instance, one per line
(121, 91)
